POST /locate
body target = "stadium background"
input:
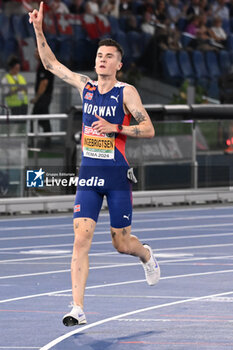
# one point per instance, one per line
(183, 198)
(192, 149)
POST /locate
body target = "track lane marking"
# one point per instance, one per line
(126, 314)
(115, 284)
(136, 212)
(134, 230)
(16, 228)
(107, 233)
(160, 249)
(53, 257)
(114, 265)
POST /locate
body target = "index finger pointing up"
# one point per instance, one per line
(41, 8)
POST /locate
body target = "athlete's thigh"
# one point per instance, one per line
(87, 204)
(84, 224)
(120, 208)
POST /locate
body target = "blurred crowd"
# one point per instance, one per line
(206, 24)
(208, 21)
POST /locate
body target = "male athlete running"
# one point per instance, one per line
(107, 108)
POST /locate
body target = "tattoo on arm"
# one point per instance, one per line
(136, 131)
(139, 117)
(65, 77)
(48, 65)
(83, 79)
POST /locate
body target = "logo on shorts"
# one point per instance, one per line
(126, 216)
(77, 208)
(35, 178)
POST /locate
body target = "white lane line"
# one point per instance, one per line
(46, 252)
(161, 249)
(108, 242)
(39, 236)
(115, 253)
(136, 212)
(107, 233)
(198, 247)
(158, 255)
(212, 235)
(19, 347)
(17, 228)
(126, 314)
(114, 265)
(37, 218)
(63, 271)
(130, 296)
(175, 320)
(133, 231)
(117, 284)
(230, 234)
(55, 226)
(54, 257)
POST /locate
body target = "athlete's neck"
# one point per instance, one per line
(105, 83)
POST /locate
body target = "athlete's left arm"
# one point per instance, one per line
(132, 104)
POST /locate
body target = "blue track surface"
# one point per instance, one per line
(189, 309)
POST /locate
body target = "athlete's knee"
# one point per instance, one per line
(123, 248)
(120, 241)
(81, 242)
(82, 236)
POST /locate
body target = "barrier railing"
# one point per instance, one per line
(21, 143)
(186, 136)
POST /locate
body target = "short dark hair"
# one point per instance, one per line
(111, 42)
(12, 61)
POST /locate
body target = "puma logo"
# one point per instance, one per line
(115, 97)
(126, 216)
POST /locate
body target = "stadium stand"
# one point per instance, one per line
(72, 35)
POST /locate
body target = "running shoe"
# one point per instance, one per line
(151, 268)
(75, 317)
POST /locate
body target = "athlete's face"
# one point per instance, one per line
(108, 60)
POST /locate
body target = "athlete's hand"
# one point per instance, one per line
(102, 126)
(36, 17)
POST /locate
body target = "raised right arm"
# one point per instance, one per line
(48, 58)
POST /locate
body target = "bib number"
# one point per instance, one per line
(97, 145)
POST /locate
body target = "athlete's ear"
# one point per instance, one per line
(120, 66)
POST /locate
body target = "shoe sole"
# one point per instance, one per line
(70, 321)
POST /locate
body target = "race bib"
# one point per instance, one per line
(97, 145)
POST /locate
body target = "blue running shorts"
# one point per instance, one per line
(115, 186)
